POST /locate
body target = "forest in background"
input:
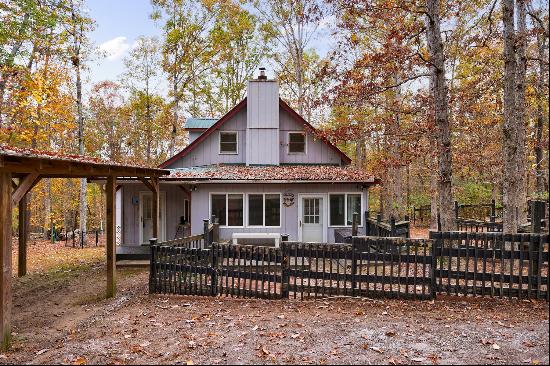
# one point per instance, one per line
(443, 100)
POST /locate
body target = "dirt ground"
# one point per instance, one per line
(61, 316)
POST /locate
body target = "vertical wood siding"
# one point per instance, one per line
(262, 115)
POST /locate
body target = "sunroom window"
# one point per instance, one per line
(342, 206)
(228, 208)
(264, 209)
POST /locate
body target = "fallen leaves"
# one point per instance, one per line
(80, 361)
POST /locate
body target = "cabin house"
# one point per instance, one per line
(260, 169)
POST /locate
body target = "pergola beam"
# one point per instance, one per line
(26, 183)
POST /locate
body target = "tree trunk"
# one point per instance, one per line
(509, 129)
(83, 183)
(175, 122)
(441, 104)
(521, 110)
(541, 116)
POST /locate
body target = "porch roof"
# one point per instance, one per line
(268, 174)
(21, 161)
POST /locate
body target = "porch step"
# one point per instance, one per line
(132, 252)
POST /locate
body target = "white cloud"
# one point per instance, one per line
(115, 48)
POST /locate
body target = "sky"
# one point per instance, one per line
(118, 24)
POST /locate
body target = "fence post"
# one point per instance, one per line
(433, 282)
(354, 266)
(355, 224)
(456, 210)
(285, 271)
(367, 226)
(439, 221)
(214, 264)
(96, 237)
(216, 230)
(493, 208)
(408, 233)
(205, 235)
(152, 267)
(392, 226)
(537, 214)
(378, 221)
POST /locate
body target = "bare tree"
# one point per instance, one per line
(441, 109)
(509, 128)
(520, 108)
(292, 23)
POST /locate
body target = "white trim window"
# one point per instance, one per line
(228, 208)
(297, 141)
(342, 206)
(229, 142)
(264, 209)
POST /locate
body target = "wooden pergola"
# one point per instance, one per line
(20, 171)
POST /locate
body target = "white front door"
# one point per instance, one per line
(146, 217)
(311, 225)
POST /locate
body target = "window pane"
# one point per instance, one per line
(228, 136)
(354, 206)
(272, 210)
(255, 209)
(218, 207)
(235, 210)
(296, 142)
(337, 209)
(228, 142)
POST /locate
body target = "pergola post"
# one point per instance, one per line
(5, 258)
(22, 252)
(110, 191)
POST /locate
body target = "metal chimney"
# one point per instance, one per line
(262, 74)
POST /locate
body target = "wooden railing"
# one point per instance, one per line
(393, 228)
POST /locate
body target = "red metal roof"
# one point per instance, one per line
(304, 173)
(234, 111)
(61, 156)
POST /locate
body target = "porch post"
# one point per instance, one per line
(22, 253)
(5, 258)
(155, 191)
(110, 191)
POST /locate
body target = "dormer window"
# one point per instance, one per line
(228, 142)
(296, 142)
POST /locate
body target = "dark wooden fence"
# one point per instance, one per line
(491, 264)
(455, 263)
(391, 267)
